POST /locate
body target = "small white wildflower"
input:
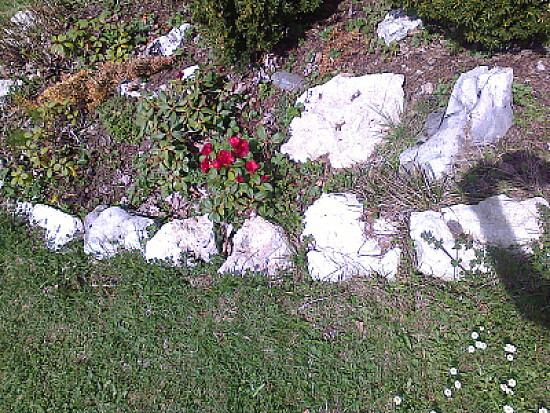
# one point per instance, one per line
(453, 371)
(433, 411)
(512, 382)
(447, 392)
(458, 384)
(509, 392)
(508, 409)
(475, 335)
(510, 357)
(471, 349)
(510, 348)
(397, 400)
(504, 387)
(481, 345)
(543, 410)
(481, 328)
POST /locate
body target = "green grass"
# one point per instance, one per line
(8, 7)
(124, 335)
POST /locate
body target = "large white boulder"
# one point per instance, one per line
(341, 248)
(497, 221)
(258, 246)
(396, 26)
(181, 241)
(479, 112)
(109, 229)
(60, 227)
(345, 118)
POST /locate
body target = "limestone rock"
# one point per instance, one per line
(288, 81)
(497, 221)
(168, 44)
(60, 227)
(341, 248)
(396, 26)
(479, 113)
(183, 240)
(108, 229)
(345, 118)
(258, 246)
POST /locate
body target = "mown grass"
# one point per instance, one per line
(124, 335)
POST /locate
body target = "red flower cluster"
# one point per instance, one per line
(240, 146)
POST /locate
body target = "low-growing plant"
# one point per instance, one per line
(495, 25)
(237, 27)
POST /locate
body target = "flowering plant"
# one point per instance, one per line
(236, 181)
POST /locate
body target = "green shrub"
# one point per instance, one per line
(236, 26)
(487, 25)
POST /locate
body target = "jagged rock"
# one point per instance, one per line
(182, 241)
(288, 81)
(396, 26)
(497, 221)
(188, 72)
(479, 112)
(108, 229)
(60, 227)
(341, 248)
(258, 246)
(168, 44)
(345, 118)
(24, 18)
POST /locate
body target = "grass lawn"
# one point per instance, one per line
(124, 335)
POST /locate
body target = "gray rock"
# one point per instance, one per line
(341, 248)
(479, 113)
(24, 18)
(288, 81)
(60, 227)
(345, 118)
(183, 241)
(168, 44)
(396, 26)
(258, 246)
(497, 221)
(109, 229)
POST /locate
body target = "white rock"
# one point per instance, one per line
(479, 113)
(258, 246)
(496, 221)
(396, 25)
(341, 248)
(181, 241)
(108, 229)
(25, 18)
(345, 118)
(168, 44)
(188, 72)
(5, 87)
(60, 227)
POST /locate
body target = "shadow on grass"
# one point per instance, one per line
(525, 277)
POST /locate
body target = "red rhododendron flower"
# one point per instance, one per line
(240, 146)
(239, 179)
(225, 158)
(216, 164)
(207, 149)
(205, 165)
(251, 166)
(265, 178)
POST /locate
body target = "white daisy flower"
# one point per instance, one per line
(453, 371)
(397, 400)
(471, 349)
(510, 357)
(510, 348)
(504, 387)
(458, 384)
(447, 392)
(509, 392)
(508, 409)
(481, 345)
(543, 410)
(512, 382)
(481, 328)
(475, 335)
